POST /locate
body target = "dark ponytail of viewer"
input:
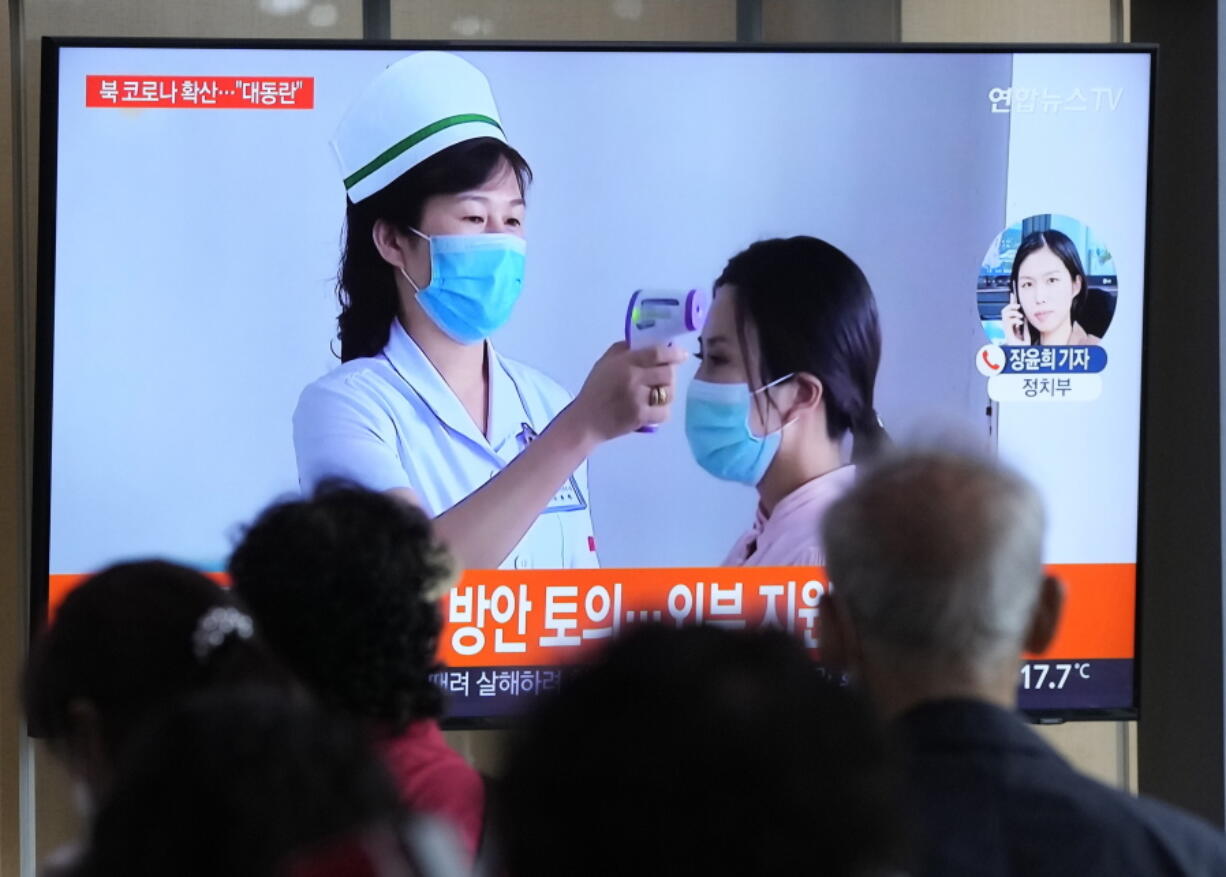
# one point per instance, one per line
(124, 641)
(814, 312)
(366, 284)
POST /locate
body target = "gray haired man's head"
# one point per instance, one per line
(938, 560)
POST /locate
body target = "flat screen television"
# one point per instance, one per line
(191, 220)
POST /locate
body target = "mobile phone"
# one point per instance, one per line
(1017, 329)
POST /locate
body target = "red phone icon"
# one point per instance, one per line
(988, 362)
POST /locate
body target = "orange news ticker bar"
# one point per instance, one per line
(201, 92)
(546, 617)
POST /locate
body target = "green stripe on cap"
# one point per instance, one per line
(412, 140)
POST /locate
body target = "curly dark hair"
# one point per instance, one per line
(344, 586)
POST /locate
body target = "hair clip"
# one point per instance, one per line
(217, 624)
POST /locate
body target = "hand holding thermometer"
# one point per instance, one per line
(660, 316)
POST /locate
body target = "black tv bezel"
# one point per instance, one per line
(40, 528)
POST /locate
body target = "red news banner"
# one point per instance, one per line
(521, 618)
(503, 618)
(201, 92)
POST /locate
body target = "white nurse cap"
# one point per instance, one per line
(415, 108)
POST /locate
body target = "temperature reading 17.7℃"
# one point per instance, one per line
(1052, 676)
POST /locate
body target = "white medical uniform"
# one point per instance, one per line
(391, 421)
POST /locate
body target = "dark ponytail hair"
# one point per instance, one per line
(366, 285)
(814, 312)
(1066, 251)
(123, 640)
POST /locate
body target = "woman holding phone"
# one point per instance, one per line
(1046, 291)
(789, 357)
(422, 405)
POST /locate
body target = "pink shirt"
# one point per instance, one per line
(791, 536)
(434, 779)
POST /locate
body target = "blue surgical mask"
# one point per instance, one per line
(475, 280)
(717, 426)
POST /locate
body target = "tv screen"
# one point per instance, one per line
(193, 214)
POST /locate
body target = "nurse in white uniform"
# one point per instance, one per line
(422, 405)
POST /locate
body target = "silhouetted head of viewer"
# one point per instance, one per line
(249, 783)
(938, 581)
(699, 751)
(345, 586)
(122, 646)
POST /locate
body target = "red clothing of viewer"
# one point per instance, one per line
(435, 779)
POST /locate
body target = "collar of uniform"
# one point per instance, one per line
(807, 501)
(506, 415)
(419, 373)
(818, 494)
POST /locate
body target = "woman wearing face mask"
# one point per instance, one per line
(422, 405)
(1046, 292)
(789, 360)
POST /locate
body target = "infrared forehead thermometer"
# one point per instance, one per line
(660, 316)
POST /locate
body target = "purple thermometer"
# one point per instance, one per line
(660, 316)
